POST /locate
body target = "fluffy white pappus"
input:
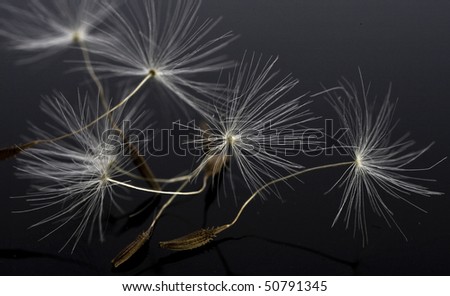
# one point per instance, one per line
(70, 176)
(382, 167)
(257, 129)
(47, 27)
(163, 39)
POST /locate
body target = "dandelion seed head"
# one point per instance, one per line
(382, 167)
(78, 36)
(71, 176)
(153, 72)
(47, 27)
(359, 161)
(231, 139)
(254, 125)
(166, 40)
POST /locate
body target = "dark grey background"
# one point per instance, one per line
(403, 42)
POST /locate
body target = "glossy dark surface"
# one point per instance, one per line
(405, 43)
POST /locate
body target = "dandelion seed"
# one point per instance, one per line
(171, 46)
(256, 126)
(51, 26)
(193, 240)
(71, 176)
(381, 167)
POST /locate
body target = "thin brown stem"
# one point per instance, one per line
(204, 236)
(10, 152)
(252, 197)
(91, 71)
(138, 160)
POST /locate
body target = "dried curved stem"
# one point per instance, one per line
(127, 185)
(203, 236)
(139, 161)
(91, 71)
(10, 152)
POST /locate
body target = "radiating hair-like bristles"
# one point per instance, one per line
(382, 167)
(46, 27)
(254, 125)
(166, 39)
(70, 176)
